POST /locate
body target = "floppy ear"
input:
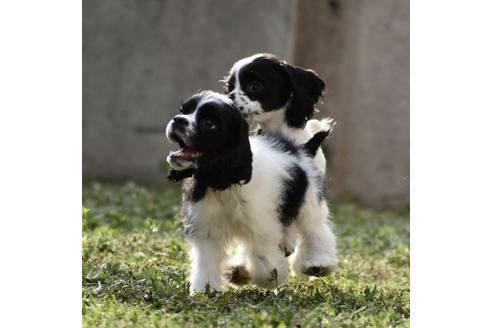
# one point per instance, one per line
(307, 88)
(232, 166)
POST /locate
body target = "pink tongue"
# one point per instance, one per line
(184, 154)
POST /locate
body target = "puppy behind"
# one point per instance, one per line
(281, 99)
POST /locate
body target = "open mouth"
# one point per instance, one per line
(185, 153)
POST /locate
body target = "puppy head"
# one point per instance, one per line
(213, 138)
(262, 84)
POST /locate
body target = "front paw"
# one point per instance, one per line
(204, 287)
(319, 266)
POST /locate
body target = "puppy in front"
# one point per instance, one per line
(243, 191)
(281, 99)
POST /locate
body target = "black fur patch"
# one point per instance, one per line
(193, 190)
(189, 106)
(177, 176)
(294, 191)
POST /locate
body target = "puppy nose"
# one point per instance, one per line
(178, 120)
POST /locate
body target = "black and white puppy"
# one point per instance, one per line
(242, 193)
(279, 97)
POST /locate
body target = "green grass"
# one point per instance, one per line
(135, 270)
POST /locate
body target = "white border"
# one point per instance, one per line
(451, 220)
(40, 142)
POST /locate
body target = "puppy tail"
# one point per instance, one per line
(311, 147)
(314, 126)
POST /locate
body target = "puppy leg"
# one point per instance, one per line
(236, 271)
(289, 240)
(316, 254)
(206, 258)
(267, 265)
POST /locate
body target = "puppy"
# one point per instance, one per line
(243, 191)
(277, 96)
(280, 98)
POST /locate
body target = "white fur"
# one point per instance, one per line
(247, 216)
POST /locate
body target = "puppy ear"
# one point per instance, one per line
(307, 88)
(232, 166)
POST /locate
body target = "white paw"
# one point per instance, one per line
(319, 266)
(271, 279)
(202, 286)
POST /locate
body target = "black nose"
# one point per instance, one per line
(232, 95)
(180, 121)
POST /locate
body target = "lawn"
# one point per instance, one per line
(135, 270)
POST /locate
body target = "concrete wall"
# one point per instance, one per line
(141, 58)
(361, 48)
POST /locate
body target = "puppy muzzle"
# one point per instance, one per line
(184, 158)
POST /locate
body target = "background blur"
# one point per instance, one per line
(141, 58)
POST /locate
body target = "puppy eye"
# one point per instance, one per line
(255, 87)
(209, 124)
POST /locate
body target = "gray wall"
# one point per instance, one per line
(361, 48)
(141, 58)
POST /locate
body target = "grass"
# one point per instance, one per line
(135, 270)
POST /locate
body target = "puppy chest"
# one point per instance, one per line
(226, 212)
